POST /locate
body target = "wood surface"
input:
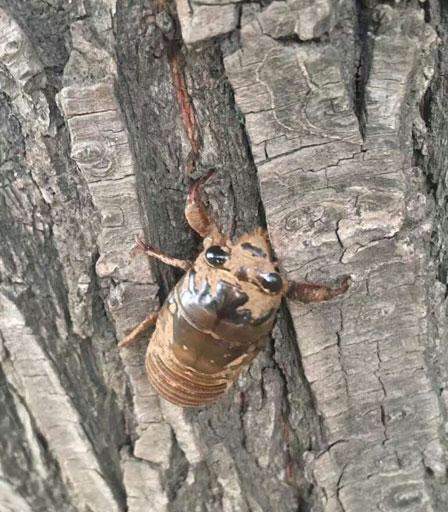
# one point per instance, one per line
(326, 122)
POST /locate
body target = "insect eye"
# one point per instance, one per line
(216, 256)
(271, 282)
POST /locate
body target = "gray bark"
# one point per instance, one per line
(326, 121)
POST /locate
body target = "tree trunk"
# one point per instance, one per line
(326, 121)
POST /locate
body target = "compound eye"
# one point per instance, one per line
(216, 256)
(271, 282)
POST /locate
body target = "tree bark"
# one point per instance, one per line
(326, 122)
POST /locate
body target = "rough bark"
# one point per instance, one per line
(326, 122)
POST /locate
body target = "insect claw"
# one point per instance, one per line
(196, 212)
(346, 281)
(140, 244)
(139, 247)
(312, 292)
(193, 194)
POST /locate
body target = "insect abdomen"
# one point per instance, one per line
(181, 385)
(181, 374)
(196, 353)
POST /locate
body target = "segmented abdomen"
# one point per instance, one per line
(181, 385)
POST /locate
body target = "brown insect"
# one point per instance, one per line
(219, 315)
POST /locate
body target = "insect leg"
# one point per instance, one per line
(196, 212)
(155, 253)
(142, 327)
(311, 292)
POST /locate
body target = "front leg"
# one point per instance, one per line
(196, 212)
(312, 292)
(155, 253)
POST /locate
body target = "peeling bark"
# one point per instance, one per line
(326, 123)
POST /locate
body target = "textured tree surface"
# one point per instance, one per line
(327, 121)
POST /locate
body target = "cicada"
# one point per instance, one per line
(220, 314)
